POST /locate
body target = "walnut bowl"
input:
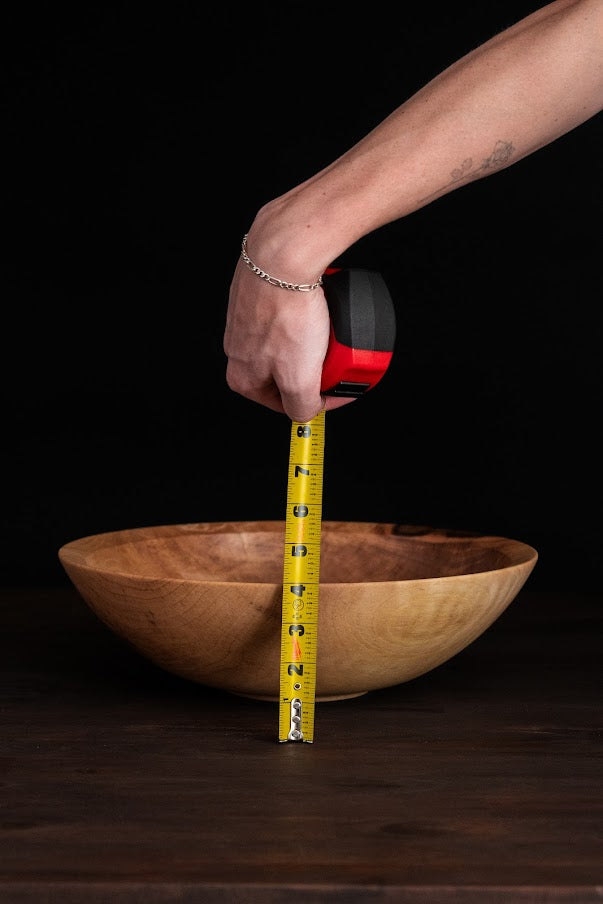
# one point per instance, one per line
(203, 601)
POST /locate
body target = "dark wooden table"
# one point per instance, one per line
(481, 781)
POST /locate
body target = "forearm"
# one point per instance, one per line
(518, 92)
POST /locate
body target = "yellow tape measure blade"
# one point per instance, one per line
(301, 581)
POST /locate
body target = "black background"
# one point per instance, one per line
(141, 141)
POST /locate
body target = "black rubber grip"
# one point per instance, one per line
(361, 309)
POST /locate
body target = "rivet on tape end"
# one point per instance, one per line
(295, 732)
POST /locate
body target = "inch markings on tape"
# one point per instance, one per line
(301, 581)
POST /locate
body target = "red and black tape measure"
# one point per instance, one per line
(363, 331)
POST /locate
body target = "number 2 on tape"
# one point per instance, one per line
(301, 580)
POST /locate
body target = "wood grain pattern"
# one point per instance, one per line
(203, 601)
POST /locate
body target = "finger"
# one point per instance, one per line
(301, 406)
(327, 403)
(332, 402)
(262, 390)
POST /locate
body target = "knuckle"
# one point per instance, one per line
(236, 382)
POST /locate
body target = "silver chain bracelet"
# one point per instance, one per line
(293, 287)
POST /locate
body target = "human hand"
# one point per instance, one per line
(276, 341)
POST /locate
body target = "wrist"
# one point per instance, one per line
(273, 280)
(293, 241)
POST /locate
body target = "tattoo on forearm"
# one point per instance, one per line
(500, 156)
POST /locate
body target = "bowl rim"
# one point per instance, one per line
(72, 553)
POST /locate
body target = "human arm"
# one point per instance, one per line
(522, 89)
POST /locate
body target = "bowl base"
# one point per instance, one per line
(327, 699)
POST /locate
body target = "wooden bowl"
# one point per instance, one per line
(203, 601)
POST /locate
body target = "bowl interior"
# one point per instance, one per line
(253, 552)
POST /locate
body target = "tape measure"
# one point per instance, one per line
(362, 335)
